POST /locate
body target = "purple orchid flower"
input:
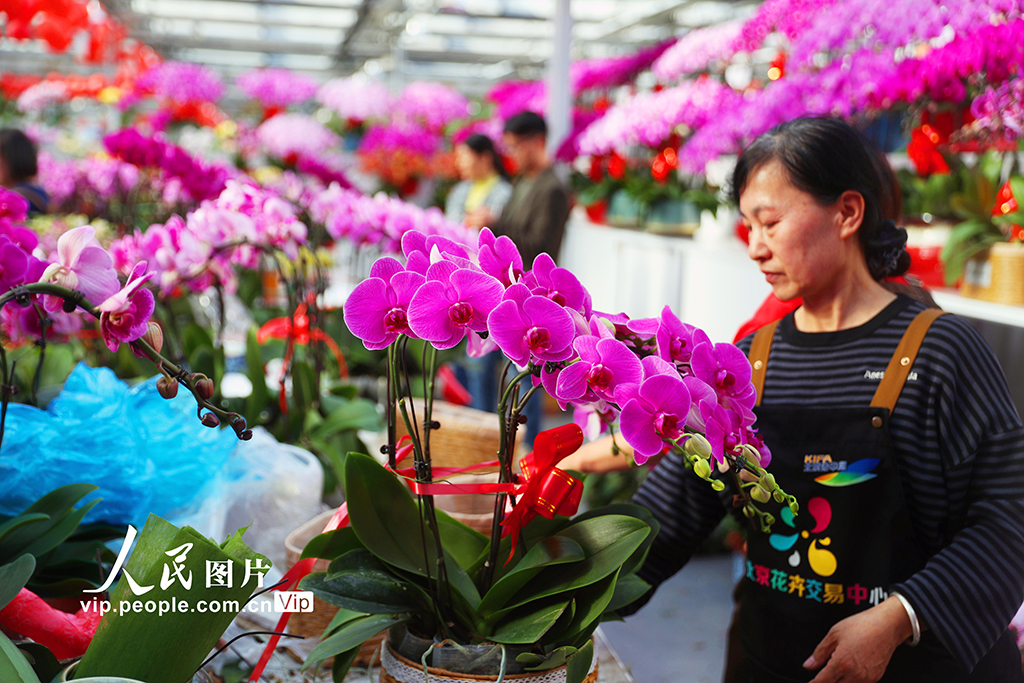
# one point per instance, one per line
(82, 265)
(676, 340)
(499, 257)
(751, 437)
(124, 317)
(478, 347)
(13, 264)
(594, 418)
(722, 429)
(631, 331)
(604, 364)
(377, 309)
(558, 284)
(655, 415)
(528, 326)
(452, 302)
(724, 368)
(700, 393)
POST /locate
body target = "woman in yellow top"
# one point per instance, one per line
(484, 180)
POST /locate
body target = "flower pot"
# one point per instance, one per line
(68, 672)
(925, 242)
(996, 275)
(403, 651)
(673, 217)
(623, 210)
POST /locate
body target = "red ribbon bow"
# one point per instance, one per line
(548, 491)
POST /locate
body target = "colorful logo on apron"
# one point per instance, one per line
(855, 473)
(822, 561)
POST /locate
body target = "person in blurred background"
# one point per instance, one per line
(19, 167)
(534, 219)
(485, 182)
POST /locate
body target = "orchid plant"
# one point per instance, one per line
(52, 293)
(662, 382)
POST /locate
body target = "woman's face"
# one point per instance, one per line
(800, 245)
(472, 166)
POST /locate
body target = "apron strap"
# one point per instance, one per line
(759, 348)
(891, 386)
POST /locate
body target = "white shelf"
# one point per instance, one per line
(1003, 314)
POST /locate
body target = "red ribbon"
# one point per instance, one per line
(548, 490)
(544, 490)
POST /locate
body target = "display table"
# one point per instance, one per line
(712, 284)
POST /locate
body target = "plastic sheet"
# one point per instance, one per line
(273, 487)
(147, 454)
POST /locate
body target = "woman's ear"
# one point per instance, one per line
(850, 214)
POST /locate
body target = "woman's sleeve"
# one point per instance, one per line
(688, 510)
(970, 590)
(498, 197)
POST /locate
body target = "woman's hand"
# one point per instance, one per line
(478, 218)
(858, 648)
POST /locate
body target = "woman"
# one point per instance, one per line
(485, 181)
(19, 167)
(893, 427)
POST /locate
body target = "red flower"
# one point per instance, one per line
(923, 150)
(1005, 201)
(617, 166)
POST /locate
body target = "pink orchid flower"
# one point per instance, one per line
(726, 369)
(377, 309)
(527, 326)
(604, 364)
(676, 340)
(499, 257)
(82, 265)
(452, 302)
(558, 284)
(124, 317)
(656, 413)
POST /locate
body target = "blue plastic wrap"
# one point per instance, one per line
(147, 454)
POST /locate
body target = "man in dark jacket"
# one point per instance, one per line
(534, 218)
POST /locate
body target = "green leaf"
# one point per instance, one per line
(357, 414)
(341, 617)
(529, 623)
(1017, 188)
(14, 576)
(578, 666)
(43, 662)
(194, 337)
(591, 602)
(607, 541)
(631, 510)
(60, 531)
(57, 504)
(257, 400)
(342, 663)
(20, 521)
(360, 582)
(628, 589)
(352, 634)
(14, 668)
(464, 543)
(385, 517)
(332, 544)
(303, 386)
(548, 552)
(557, 658)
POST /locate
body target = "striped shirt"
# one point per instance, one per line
(959, 449)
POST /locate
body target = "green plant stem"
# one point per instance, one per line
(504, 475)
(44, 325)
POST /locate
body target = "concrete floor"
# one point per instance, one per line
(679, 637)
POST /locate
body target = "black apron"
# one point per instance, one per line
(851, 541)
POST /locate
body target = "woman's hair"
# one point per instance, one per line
(826, 157)
(483, 145)
(18, 153)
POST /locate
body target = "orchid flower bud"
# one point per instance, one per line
(751, 453)
(760, 495)
(154, 336)
(210, 420)
(768, 482)
(167, 386)
(702, 469)
(204, 386)
(698, 446)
